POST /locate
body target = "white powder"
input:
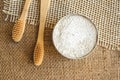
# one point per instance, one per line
(74, 36)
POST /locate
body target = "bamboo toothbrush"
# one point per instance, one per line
(39, 48)
(19, 26)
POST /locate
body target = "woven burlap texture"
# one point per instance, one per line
(16, 59)
(105, 14)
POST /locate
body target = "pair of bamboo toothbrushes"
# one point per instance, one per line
(19, 28)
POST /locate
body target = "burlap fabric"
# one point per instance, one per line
(16, 59)
(105, 14)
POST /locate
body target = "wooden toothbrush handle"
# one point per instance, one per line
(39, 48)
(19, 26)
(25, 10)
(38, 54)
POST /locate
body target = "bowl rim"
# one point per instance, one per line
(87, 54)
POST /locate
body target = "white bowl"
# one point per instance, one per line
(74, 36)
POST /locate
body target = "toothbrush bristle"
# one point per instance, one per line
(38, 55)
(18, 30)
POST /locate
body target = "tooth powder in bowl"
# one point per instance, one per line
(74, 36)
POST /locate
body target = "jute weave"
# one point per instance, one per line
(16, 59)
(105, 14)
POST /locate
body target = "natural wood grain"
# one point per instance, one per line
(19, 26)
(38, 54)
